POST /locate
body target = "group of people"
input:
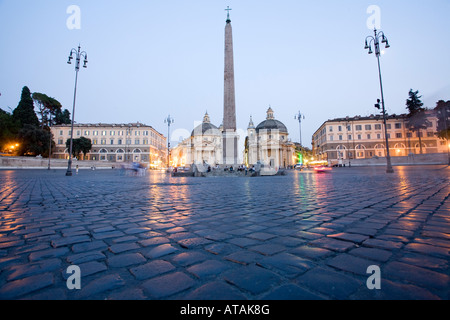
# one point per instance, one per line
(134, 168)
(240, 168)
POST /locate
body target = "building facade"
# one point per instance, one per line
(132, 142)
(268, 143)
(340, 140)
(204, 146)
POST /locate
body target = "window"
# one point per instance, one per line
(95, 133)
(368, 127)
(119, 141)
(331, 128)
(389, 135)
(378, 136)
(398, 125)
(331, 138)
(94, 141)
(103, 141)
(60, 132)
(378, 127)
(103, 133)
(112, 141)
(409, 135)
(430, 134)
(359, 137)
(398, 135)
(86, 133)
(368, 137)
(358, 127)
(60, 141)
(112, 133)
(340, 137)
(349, 137)
(339, 128)
(388, 126)
(78, 132)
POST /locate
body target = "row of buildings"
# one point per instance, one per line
(337, 141)
(131, 142)
(267, 143)
(340, 140)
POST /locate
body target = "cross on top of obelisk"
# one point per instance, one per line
(228, 13)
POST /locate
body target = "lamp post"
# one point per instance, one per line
(368, 45)
(299, 117)
(169, 121)
(78, 56)
(50, 146)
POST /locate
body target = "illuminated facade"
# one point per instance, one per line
(269, 144)
(340, 140)
(132, 142)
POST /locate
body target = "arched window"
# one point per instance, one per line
(379, 150)
(103, 154)
(341, 152)
(360, 151)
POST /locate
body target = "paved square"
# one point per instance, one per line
(301, 236)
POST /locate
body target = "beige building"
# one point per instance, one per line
(132, 142)
(204, 146)
(268, 143)
(340, 140)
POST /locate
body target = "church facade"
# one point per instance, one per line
(268, 144)
(204, 146)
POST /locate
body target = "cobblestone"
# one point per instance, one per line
(299, 236)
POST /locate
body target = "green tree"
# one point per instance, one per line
(417, 118)
(443, 115)
(81, 145)
(50, 110)
(62, 117)
(33, 141)
(24, 113)
(8, 129)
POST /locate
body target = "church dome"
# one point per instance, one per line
(206, 128)
(271, 124)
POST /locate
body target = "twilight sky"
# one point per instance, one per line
(149, 59)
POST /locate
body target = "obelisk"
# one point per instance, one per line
(230, 138)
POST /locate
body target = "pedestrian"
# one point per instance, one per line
(76, 169)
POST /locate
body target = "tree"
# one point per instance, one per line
(24, 113)
(443, 115)
(417, 118)
(50, 110)
(81, 145)
(8, 129)
(62, 117)
(33, 141)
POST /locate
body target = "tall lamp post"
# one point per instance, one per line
(368, 45)
(78, 56)
(51, 139)
(169, 121)
(299, 117)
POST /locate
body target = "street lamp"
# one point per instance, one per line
(368, 45)
(169, 121)
(299, 117)
(78, 56)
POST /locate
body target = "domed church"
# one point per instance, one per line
(269, 144)
(204, 146)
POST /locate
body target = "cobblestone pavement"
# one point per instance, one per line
(300, 236)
